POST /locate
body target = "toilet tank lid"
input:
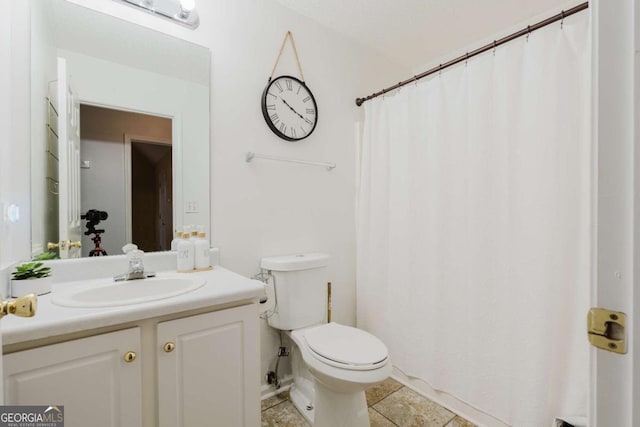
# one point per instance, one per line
(295, 262)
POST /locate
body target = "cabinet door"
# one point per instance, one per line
(211, 377)
(89, 376)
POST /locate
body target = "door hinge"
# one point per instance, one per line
(606, 330)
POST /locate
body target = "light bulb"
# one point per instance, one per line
(187, 6)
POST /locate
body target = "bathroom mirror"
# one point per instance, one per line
(119, 133)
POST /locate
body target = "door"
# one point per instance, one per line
(614, 383)
(69, 161)
(96, 379)
(149, 192)
(208, 372)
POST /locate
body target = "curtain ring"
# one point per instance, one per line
(440, 70)
(562, 19)
(415, 80)
(528, 31)
(494, 48)
(399, 87)
(466, 59)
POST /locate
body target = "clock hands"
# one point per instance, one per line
(287, 104)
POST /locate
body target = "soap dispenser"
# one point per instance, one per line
(186, 254)
(176, 240)
(202, 257)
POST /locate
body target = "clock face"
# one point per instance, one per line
(289, 108)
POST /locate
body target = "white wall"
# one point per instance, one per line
(265, 208)
(14, 125)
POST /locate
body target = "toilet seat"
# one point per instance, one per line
(345, 347)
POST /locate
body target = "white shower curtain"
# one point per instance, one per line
(473, 227)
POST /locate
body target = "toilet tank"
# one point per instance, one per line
(300, 283)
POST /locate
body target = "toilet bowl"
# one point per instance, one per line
(342, 361)
(332, 364)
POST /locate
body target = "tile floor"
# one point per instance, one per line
(390, 404)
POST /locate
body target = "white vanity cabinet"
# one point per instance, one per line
(208, 370)
(89, 376)
(190, 369)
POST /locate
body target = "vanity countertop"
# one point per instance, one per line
(222, 287)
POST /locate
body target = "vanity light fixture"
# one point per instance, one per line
(182, 12)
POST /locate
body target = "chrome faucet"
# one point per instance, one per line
(136, 266)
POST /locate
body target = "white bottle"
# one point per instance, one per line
(203, 260)
(176, 240)
(186, 255)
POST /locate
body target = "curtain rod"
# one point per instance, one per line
(525, 31)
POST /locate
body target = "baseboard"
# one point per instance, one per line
(448, 401)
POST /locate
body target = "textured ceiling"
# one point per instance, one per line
(417, 32)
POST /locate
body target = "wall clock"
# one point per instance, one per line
(289, 108)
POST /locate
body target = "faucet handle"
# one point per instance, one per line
(129, 247)
(134, 255)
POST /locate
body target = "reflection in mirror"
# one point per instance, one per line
(117, 110)
(125, 172)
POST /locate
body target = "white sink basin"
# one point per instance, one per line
(111, 294)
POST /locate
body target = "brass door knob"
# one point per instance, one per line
(25, 306)
(130, 356)
(169, 347)
(64, 245)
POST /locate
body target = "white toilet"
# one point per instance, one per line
(332, 364)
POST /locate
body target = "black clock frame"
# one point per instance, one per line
(265, 114)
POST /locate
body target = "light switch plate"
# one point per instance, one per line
(192, 207)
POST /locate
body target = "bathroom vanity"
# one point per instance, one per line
(187, 360)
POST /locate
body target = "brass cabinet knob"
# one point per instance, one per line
(25, 306)
(76, 244)
(169, 347)
(51, 246)
(130, 356)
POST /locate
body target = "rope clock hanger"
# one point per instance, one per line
(288, 105)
